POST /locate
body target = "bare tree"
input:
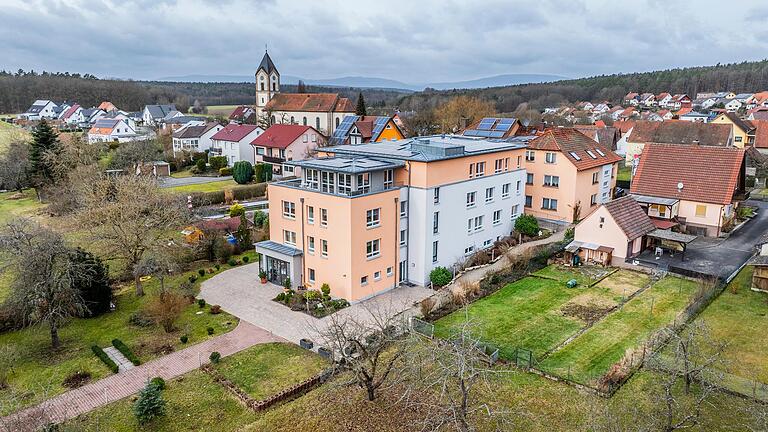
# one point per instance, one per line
(14, 166)
(130, 216)
(366, 345)
(757, 417)
(37, 418)
(450, 380)
(44, 272)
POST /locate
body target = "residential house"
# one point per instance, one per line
(585, 106)
(194, 139)
(605, 135)
(172, 124)
(648, 99)
(40, 109)
(666, 114)
(757, 99)
(675, 132)
(632, 98)
(663, 99)
(695, 116)
(690, 185)
(679, 101)
(611, 234)
(89, 116)
(366, 218)
(629, 114)
(759, 263)
(241, 114)
(761, 135)
(616, 112)
(363, 129)
(152, 114)
(119, 115)
(285, 143)
(758, 113)
(733, 105)
(72, 115)
(743, 97)
(742, 130)
(651, 116)
(567, 175)
(601, 108)
(234, 142)
(109, 130)
(107, 106)
(708, 103)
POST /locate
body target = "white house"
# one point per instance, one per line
(41, 109)
(663, 99)
(733, 105)
(87, 117)
(72, 115)
(109, 130)
(234, 142)
(152, 114)
(195, 138)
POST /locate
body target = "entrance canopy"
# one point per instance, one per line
(646, 199)
(277, 248)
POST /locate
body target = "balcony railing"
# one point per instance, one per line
(301, 184)
(272, 159)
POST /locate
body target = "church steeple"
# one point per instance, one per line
(267, 82)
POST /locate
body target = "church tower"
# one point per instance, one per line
(267, 83)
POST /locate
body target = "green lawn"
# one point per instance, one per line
(196, 402)
(741, 319)
(225, 110)
(38, 367)
(531, 313)
(9, 132)
(624, 173)
(213, 186)
(13, 208)
(592, 353)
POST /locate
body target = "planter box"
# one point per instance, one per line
(325, 352)
(306, 344)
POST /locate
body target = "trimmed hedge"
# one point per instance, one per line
(123, 348)
(239, 193)
(105, 358)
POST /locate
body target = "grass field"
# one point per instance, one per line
(593, 352)
(741, 319)
(8, 132)
(225, 110)
(13, 208)
(537, 313)
(197, 403)
(205, 187)
(37, 366)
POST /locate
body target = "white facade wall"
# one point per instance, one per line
(237, 151)
(324, 122)
(604, 194)
(453, 237)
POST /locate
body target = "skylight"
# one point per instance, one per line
(600, 152)
(592, 155)
(574, 155)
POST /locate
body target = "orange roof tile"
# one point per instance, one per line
(570, 141)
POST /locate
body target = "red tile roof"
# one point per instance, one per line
(761, 133)
(709, 174)
(239, 113)
(630, 217)
(280, 135)
(234, 132)
(68, 113)
(680, 132)
(568, 141)
(311, 102)
(624, 125)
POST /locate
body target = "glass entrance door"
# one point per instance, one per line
(277, 270)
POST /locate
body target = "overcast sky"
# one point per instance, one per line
(411, 40)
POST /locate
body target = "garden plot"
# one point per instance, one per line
(624, 283)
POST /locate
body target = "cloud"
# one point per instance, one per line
(412, 41)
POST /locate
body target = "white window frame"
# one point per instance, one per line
(373, 249)
(289, 210)
(324, 248)
(471, 199)
(373, 217)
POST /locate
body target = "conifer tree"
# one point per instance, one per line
(44, 140)
(360, 110)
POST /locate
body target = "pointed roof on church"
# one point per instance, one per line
(267, 65)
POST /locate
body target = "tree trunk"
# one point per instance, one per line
(139, 287)
(371, 392)
(55, 342)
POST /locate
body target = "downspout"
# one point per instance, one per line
(408, 224)
(303, 245)
(397, 239)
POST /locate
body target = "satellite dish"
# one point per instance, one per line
(680, 186)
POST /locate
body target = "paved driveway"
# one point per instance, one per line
(240, 293)
(720, 257)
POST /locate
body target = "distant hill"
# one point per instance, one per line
(378, 83)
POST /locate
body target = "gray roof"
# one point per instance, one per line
(430, 148)
(106, 123)
(269, 245)
(347, 164)
(183, 119)
(267, 65)
(646, 199)
(672, 236)
(159, 111)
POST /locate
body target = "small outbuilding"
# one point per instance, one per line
(760, 274)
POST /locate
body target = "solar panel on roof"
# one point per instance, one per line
(506, 121)
(471, 132)
(495, 134)
(378, 126)
(486, 123)
(503, 127)
(340, 134)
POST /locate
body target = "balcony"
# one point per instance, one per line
(272, 159)
(373, 189)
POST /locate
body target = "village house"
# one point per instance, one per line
(567, 175)
(89, 116)
(194, 138)
(285, 143)
(152, 114)
(107, 106)
(632, 98)
(695, 116)
(663, 99)
(40, 109)
(110, 130)
(241, 114)
(743, 131)
(355, 129)
(692, 186)
(648, 99)
(673, 132)
(72, 115)
(366, 218)
(679, 101)
(233, 141)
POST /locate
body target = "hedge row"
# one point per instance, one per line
(105, 358)
(123, 348)
(239, 193)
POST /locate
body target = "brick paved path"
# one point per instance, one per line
(84, 399)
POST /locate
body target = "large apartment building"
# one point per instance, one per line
(368, 217)
(568, 175)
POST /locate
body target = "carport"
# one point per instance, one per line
(670, 240)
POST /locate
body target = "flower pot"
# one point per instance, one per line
(325, 352)
(263, 280)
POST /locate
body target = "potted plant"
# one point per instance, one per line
(287, 284)
(263, 276)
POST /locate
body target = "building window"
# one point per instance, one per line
(364, 280)
(497, 217)
(289, 210)
(435, 222)
(388, 179)
(515, 211)
(364, 182)
(474, 224)
(311, 244)
(701, 210)
(323, 217)
(389, 271)
(549, 204)
(528, 201)
(471, 199)
(311, 275)
(345, 184)
(304, 121)
(551, 181)
(310, 214)
(434, 251)
(324, 248)
(488, 194)
(337, 122)
(550, 158)
(327, 181)
(529, 179)
(487, 243)
(372, 217)
(471, 170)
(377, 276)
(372, 249)
(506, 164)
(437, 195)
(505, 190)
(293, 121)
(403, 237)
(518, 188)
(469, 250)
(289, 237)
(498, 166)
(312, 179)
(595, 177)
(593, 200)
(403, 208)
(480, 170)
(530, 156)
(317, 123)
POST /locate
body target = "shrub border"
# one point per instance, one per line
(105, 358)
(123, 348)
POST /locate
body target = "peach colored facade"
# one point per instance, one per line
(578, 192)
(601, 228)
(345, 234)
